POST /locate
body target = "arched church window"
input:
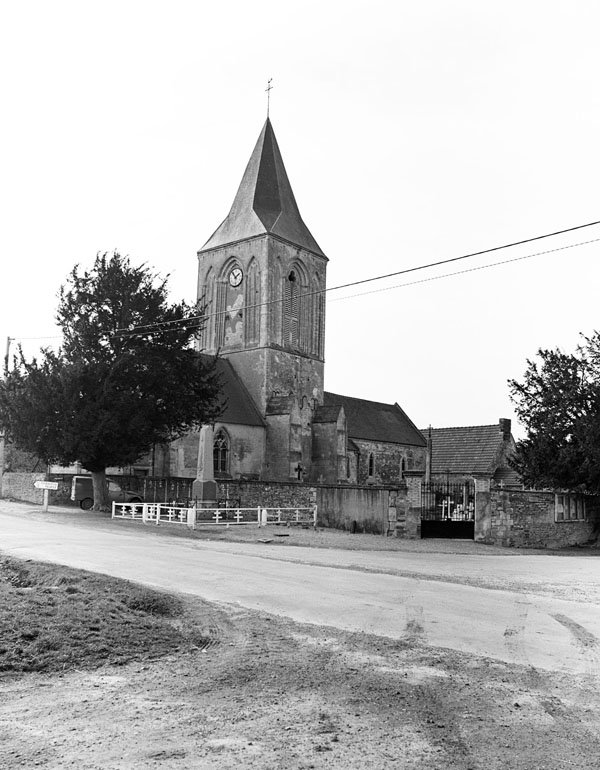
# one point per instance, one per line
(221, 453)
(371, 464)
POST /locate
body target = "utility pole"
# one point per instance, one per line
(6, 357)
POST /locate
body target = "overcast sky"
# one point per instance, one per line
(412, 132)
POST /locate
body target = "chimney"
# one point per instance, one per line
(504, 424)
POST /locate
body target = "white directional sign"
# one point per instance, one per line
(45, 484)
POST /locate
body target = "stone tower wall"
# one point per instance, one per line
(273, 349)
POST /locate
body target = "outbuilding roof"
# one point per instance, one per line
(468, 450)
(375, 421)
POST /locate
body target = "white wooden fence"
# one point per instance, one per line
(165, 513)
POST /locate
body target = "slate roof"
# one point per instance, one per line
(327, 413)
(374, 421)
(474, 449)
(239, 407)
(264, 202)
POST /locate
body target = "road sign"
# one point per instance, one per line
(45, 484)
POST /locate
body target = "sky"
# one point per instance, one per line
(412, 132)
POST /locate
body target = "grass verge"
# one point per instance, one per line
(54, 618)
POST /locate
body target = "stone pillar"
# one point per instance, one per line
(412, 524)
(397, 511)
(204, 488)
(483, 513)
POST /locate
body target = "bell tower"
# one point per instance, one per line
(262, 276)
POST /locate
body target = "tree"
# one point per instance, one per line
(125, 378)
(558, 402)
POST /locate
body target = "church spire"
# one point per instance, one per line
(264, 203)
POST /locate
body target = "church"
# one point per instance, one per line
(262, 280)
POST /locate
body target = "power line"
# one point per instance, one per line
(201, 318)
(162, 326)
(467, 270)
(468, 256)
(23, 339)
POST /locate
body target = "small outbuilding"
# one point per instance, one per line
(476, 451)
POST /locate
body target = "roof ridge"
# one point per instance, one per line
(366, 400)
(461, 427)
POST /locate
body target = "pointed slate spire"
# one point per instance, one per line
(264, 202)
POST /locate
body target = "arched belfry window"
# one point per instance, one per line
(296, 310)
(221, 453)
(290, 310)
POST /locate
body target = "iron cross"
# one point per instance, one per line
(268, 90)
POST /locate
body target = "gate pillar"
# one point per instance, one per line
(483, 508)
(412, 524)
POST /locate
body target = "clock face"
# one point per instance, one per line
(235, 276)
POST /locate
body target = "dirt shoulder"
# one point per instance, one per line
(269, 693)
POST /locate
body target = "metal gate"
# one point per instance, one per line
(448, 510)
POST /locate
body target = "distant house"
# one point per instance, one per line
(460, 454)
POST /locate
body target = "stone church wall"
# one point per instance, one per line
(387, 461)
(277, 460)
(328, 453)
(246, 451)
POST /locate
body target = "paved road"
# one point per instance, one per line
(356, 591)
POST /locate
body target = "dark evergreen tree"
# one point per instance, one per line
(126, 377)
(558, 402)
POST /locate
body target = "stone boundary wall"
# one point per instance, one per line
(356, 509)
(348, 507)
(525, 519)
(20, 486)
(353, 508)
(275, 494)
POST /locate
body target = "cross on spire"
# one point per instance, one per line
(268, 90)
